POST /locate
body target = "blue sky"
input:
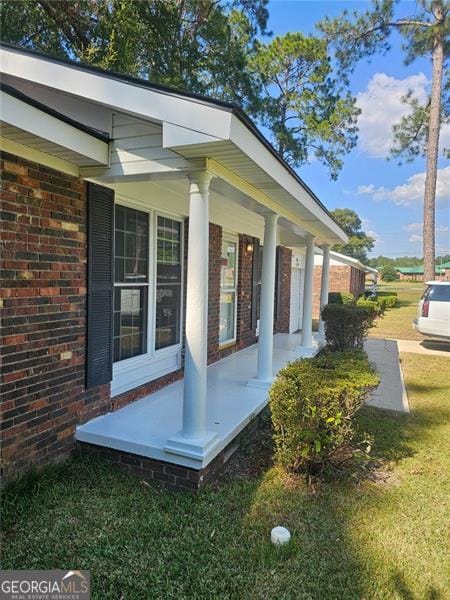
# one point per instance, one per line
(388, 197)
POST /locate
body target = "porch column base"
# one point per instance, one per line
(262, 384)
(197, 448)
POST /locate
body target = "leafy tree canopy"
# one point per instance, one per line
(388, 273)
(212, 47)
(199, 45)
(307, 110)
(359, 243)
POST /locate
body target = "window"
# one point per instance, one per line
(131, 244)
(137, 291)
(168, 283)
(228, 279)
(437, 293)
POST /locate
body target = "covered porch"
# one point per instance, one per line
(143, 427)
(171, 166)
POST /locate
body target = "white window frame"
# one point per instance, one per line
(231, 237)
(133, 372)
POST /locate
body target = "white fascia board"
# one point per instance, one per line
(29, 118)
(246, 141)
(175, 136)
(120, 95)
(352, 262)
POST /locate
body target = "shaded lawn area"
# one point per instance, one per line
(397, 322)
(380, 538)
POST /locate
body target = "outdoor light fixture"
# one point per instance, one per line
(249, 247)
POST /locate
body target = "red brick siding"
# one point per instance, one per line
(285, 264)
(43, 272)
(215, 253)
(246, 336)
(339, 281)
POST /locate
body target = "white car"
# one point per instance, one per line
(433, 317)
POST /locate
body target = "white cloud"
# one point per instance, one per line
(415, 238)
(418, 227)
(409, 192)
(413, 227)
(382, 107)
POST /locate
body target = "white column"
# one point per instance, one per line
(264, 375)
(194, 439)
(324, 284)
(308, 294)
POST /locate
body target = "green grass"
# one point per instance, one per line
(379, 538)
(397, 322)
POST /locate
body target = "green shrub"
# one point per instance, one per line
(341, 298)
(391, 301)
(371, 306)
(387, 294)
(388, 273)
(346, 326)
(382, 303)
(312, 403)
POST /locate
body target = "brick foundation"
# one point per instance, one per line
(43, 272)
(172, 476)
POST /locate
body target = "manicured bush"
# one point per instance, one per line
(387, 294)
(381, 301)
(371, 306)
(346, 326)
(391, 301)
(341, 298)
(312, 403)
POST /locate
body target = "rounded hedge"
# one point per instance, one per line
(312, 403)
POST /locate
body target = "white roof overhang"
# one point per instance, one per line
(23, 123)
(195, 129)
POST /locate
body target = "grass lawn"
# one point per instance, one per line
(379, 538)
(397, 322)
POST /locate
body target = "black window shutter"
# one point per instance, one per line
(255, 281)
(100, 285)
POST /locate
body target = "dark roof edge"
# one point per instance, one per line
(233, 108)
(104, 137)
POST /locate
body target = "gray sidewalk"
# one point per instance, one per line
(391, 393)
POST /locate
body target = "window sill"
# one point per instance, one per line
(144, 369)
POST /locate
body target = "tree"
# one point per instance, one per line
(426, 33)
(307, 110)
(359, 243)
(198, 45)
(388, 273)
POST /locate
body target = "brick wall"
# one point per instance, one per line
(43, 273)
(339, 281)
(285, 264)
(215, 253)
(246, 335)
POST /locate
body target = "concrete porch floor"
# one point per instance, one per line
(144, 426)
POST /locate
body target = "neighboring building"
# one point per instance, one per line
(146, 233)
(442, 273)
(346, 274)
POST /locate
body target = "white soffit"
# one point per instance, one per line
(28, 125)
